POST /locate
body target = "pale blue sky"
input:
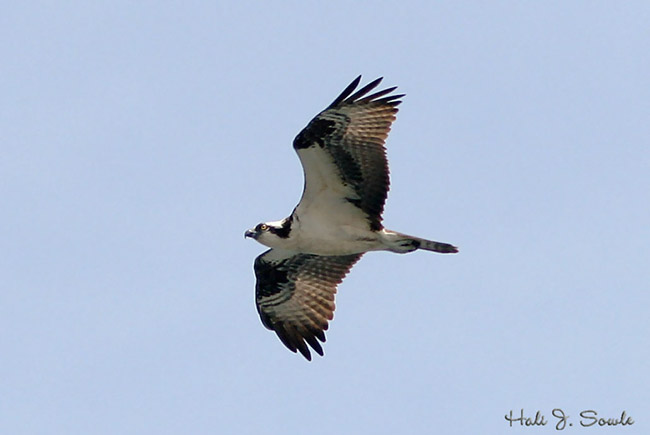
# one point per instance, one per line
(140, 139)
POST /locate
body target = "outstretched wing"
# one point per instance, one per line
(295, 295)
(343, 156)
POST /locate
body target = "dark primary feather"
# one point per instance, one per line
(295, 295)
(353, 130)
(346, 92)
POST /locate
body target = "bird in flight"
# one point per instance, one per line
(338, 218)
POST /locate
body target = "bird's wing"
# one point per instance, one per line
(295, 295)
(343, 156)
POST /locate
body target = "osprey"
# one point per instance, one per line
(337, 220)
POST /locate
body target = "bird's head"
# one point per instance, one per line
(255, 233)
(271, 234)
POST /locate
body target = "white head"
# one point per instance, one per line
(271, 234)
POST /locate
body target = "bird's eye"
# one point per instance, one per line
(264, 227)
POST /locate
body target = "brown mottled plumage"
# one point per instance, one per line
(338, 218)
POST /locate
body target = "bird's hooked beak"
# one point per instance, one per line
(250, 233)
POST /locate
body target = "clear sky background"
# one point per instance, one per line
(139, 140)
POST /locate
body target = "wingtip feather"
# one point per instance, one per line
(346, 92)
(364, 90)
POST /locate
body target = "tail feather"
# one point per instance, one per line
(443, 248)
(402, 243)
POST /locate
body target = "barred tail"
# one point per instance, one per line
(402, 243)
(443, 248)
